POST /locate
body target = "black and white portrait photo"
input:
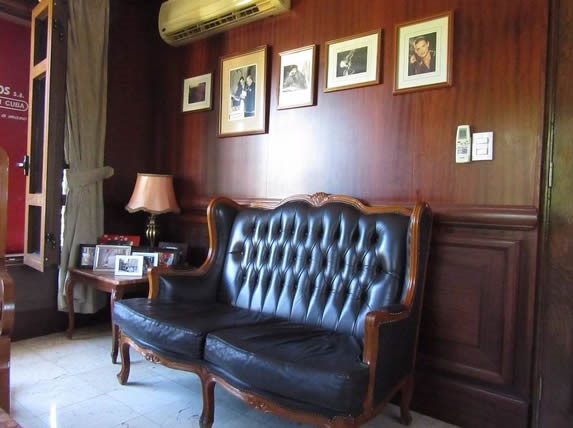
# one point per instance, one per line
(422, 54)
(352, 62)
(242, 91)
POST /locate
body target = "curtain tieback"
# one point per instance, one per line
(77, 178)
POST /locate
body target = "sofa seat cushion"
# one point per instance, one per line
(298, 362)
(178, 329)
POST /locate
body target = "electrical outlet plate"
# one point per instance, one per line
(482, 146)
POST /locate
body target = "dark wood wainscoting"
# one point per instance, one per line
(476, 339)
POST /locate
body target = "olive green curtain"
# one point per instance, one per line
(86, 102)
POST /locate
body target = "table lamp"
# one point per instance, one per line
(153, 193)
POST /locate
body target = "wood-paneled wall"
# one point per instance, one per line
(366, 141)
(477, 331)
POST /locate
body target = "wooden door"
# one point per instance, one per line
(45, 155)
(554, 386)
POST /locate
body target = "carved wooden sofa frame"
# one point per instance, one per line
(384, 328)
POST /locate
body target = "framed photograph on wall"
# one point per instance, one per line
(424, 53)
(353, 61)
(86, 256)
(297, 77)
(243, 93)
(104, 259)
(197, 92)
(129, 265)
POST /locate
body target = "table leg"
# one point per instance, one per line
(115, 295)
(69, 288)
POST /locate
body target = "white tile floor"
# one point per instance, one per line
(56, 382)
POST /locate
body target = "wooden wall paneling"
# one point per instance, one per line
(470, 306)
(465, 404)
(476, 338)
(366, 141)
(132, 106)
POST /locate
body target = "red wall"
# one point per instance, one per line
(14, 75)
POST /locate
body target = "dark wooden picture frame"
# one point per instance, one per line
(182, 249)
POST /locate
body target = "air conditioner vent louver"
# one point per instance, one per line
(180, 23)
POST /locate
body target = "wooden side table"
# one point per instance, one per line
(117, 286)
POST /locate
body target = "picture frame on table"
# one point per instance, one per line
(197, 93)
(243, 102)
(182, 249)
(424, 50)
(105, 255)
(167, 257)
(297, 76)
(86, 255)
(352, 62)
(128, 265)
(150, 259)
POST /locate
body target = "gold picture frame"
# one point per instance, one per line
(243, 103)
(424, 49)
(353, 61)
(297, 76)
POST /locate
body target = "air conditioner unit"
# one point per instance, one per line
(185, 21)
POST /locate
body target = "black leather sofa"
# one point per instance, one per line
(309, 309)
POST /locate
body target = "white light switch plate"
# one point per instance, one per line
(482, 146)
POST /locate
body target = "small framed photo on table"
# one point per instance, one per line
(353, 61)
(181, 248)
(86, 256)
(129, 265)
(243, 93)
(149, 260)
(104, 259)
(424, 53)
(197, 93)
(297, 77)
(168, 256)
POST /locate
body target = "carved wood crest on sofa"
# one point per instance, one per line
(309, 309)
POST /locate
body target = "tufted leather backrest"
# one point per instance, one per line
(325, 265)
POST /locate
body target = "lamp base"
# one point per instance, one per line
(151, 230)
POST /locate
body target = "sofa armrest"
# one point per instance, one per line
(6, 301)
(389, 349)
(166, 283)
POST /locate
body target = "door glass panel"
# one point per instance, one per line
(40, 45)
(37, 134)
(34, 229)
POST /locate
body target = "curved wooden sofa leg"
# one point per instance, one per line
(208, 413)
(405, 399)
(125, 362)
